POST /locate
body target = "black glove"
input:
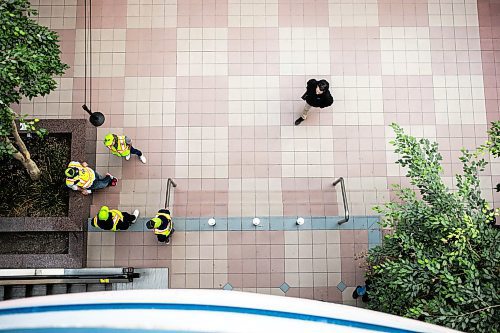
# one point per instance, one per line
(498, 187)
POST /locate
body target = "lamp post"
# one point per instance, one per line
(96, 118)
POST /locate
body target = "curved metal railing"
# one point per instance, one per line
(344, 198)
(170, 183)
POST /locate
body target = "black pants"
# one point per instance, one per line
(127, 221)
(163, 238)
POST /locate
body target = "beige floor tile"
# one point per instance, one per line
(220, 251)
(305, 265)
(277, 292)
(320, 279)
(178, 252)
(192, 266)
(220, 238)
(334, 279)
(206, 252)
(306, 280)
(177, 281)
(94, 238)
(178, 266)
(320, 265)
(94, 253)
(108, 253)
(179, 238)
(333, 236)
(333, 250)
(220, 266)
(305, 251)
(291, 237)
(291, 251)
(207, 266)
(292, 279)
(305, 236)
(192, 238)
(206, 238)
(292, 265)
(220, 280)
(334, 264)
(192, 280)
(319, 250)
(319, 236)
(206, 281)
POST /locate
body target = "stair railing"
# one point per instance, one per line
(344, 198)
(170, 183)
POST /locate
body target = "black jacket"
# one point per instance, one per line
(319, 101)
(164, 221)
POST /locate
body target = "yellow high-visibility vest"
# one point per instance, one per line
(120, 147)
(168, 229)
(85, 178)
(116, 215)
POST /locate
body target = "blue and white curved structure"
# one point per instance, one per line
(194, 311)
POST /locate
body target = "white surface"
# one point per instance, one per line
(226, 311)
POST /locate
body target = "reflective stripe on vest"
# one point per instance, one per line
(116, 215)
(120, 146)
(85, 178)
(167, 230)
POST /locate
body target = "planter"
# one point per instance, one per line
(67, 232)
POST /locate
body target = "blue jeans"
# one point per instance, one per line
(100, 182)
(135, 151)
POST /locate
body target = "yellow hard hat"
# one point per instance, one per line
(108, 139)
(103, 213)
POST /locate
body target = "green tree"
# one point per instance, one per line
(29, 58)
(441, 261)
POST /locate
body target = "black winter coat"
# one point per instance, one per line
(319, 101)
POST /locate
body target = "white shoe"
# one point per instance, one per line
(127, 157)
(143, 159)
(136, 214)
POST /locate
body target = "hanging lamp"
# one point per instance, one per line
(96, 118)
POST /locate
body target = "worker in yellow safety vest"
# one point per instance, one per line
(80, 177)
(162, 225)
(113, 219)
(122, 146)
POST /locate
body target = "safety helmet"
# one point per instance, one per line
(108, 139)
(103, 214)
(71, 172)
(153, 223)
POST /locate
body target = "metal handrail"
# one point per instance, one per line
(344, 198)
(170, 183)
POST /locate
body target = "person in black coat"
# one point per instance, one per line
(317, 95)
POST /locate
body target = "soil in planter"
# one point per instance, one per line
(22, 197)
(34, 242)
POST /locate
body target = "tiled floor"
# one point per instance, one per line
(209, 91)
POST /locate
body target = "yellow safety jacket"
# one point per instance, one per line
(168, 229)
(85, 178)
(120, 147)
(116, 215)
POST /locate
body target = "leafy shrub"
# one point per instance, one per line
(441, 262)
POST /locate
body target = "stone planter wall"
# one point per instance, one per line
(83, 139)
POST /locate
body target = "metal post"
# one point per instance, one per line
(344, 198)
(170, 183)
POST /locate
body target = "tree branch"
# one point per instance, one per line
(19, 142)
(17, 155)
